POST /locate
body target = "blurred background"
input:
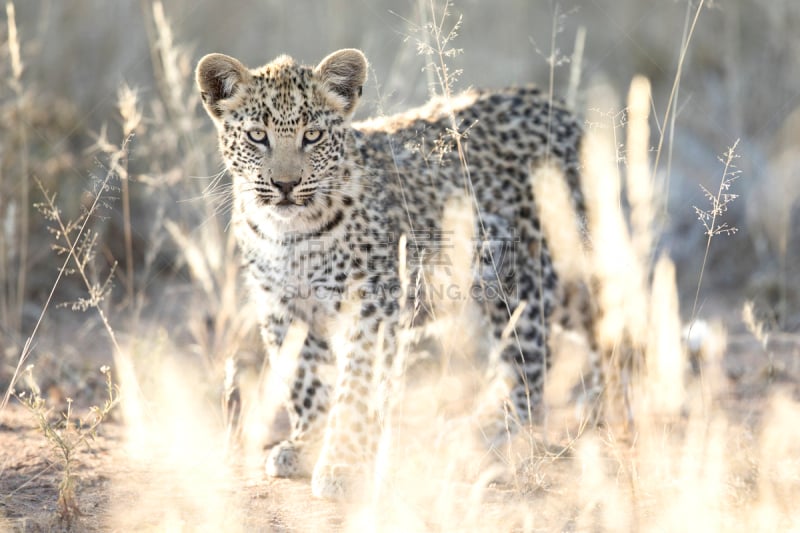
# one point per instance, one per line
(100, 94)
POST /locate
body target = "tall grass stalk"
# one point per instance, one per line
(673, 117)
(615, 265)
(638, 180)
(664, 356)
(14, 305)
(131, 117)
(710, 217)
(576, 62)
(673, 95)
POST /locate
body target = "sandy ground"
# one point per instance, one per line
(110, 481)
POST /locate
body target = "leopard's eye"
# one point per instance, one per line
(259, 136)
(311, 136)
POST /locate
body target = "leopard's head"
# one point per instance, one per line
(283, 128)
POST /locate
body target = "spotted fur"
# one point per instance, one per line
(319, 208)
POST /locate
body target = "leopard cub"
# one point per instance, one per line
(320, 204)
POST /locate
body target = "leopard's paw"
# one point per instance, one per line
(333, 482)
(284, 460)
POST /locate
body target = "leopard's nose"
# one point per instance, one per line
(285, 185)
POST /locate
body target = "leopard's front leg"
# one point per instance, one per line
(306, 398)
(353, 425)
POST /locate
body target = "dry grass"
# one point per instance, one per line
(700, 428)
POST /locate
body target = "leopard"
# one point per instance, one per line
(322, 206)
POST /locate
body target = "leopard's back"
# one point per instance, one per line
(414, 159)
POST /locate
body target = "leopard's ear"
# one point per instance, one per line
(217, 77)
(342, 75)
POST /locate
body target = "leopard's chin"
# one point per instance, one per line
(287, 210)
